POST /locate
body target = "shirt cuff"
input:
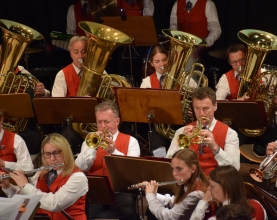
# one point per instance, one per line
(27, 189)
(150, 197)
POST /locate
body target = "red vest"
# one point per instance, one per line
(72, 80)
(7, 154)
(135, 10)
(259, 212)
(195, 21)
(155, 83)
(76, 211)
(99, 166)
(207, 161)
(233, 85)
(80, 17)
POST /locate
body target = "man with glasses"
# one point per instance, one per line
(228, 84)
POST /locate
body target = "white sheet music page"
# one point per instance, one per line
(159, 152)
(9, 207)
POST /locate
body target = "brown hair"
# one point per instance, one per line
(106, 105)
(230, 212)
(1, 114)
(235, 48)
(157, 49)
(191, 159)
(60, 142)
(232, 184)
(203, 93)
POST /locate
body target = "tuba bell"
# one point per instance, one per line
(102, 41)
(257, 85)
(15, 39)
(182, 45)
(267, 168)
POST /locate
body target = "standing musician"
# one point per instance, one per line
(227, 187)
(92, 160)
(63, 189)
(185, 166)
(220, 144)
(197, 17)
(14, 153)
(136, 7)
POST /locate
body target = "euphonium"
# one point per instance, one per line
(102, 41)
(184, 141)
(257, 85)
(95, 140)
(15, 39)
(266, 170)
(182, 45)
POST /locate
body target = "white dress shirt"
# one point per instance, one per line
(229, 156)
(23, 158)
(75, 187)
(223, 88)
(212, 19)
(179, 211)
(146, 83)
(87, 155)
(148, 10)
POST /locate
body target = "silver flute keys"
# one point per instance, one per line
(6, 176)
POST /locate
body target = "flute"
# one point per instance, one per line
(6, 176)
(139, 185)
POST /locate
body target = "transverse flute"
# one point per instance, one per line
(139, 185)
(6, 176)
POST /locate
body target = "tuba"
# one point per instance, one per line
(182, 45)
(15, 39)
(257, 85)
(102, 41)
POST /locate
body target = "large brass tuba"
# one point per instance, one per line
(182, 45)
(15, 39)
(102, 41)
(257, 85)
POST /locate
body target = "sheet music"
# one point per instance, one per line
(9, 207)
(159, 152)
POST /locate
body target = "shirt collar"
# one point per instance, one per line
(236, 73)
(77, 70)
(226, 202)
(158, 75)
(115, 135)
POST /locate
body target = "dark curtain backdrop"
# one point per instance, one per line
(234, 15)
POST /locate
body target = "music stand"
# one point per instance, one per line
(126, 171)
(16, 105)
(100, 191)
(140, 28)
(149, 106)
(242, 114)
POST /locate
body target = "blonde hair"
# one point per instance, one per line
(60, 142)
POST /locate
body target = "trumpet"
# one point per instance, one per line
(184, 141)
(7, 176)
(94, 140)
(141, 185)
(267, 168)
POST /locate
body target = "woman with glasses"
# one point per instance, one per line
(228, 85)
(227, 187)
(63, 188)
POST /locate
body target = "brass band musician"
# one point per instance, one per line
(270, 149)
(92, 160)
(220, 145)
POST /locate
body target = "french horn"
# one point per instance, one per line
(15, 39)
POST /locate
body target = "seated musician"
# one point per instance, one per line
(63, 188)
(186, 167)
(270, 149)
(227, 187)
(14, 153)
(80, 11)
(228, 87)
(220, 145)
(92, 160)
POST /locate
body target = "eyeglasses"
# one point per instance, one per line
(55, 154)
(233, 63)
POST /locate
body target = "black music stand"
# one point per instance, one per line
(100, 191)
(140, 28)
(126, 171)
(16, 105)
(242, 114)
(149, 106)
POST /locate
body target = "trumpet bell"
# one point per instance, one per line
(256, 174)
(183, 141)
(93, 140)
